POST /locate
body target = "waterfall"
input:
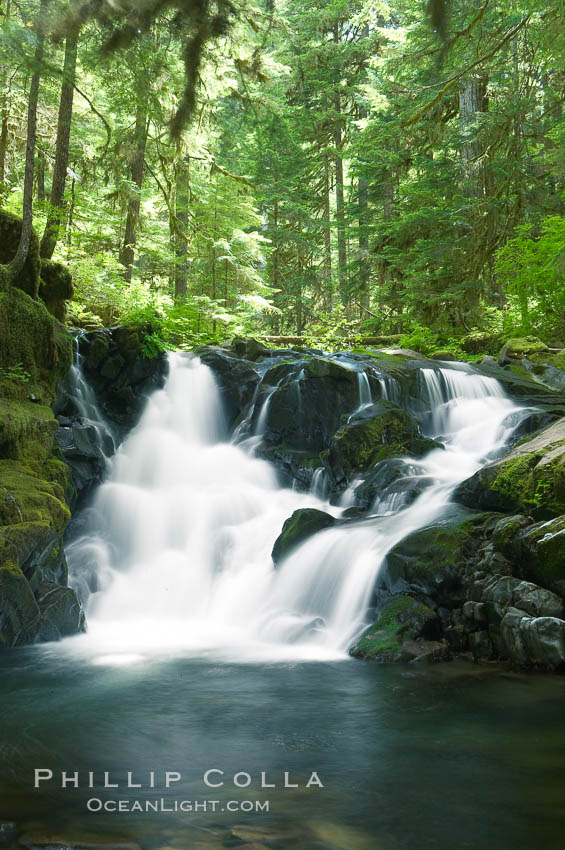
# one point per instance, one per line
(86, 405)
(177, 552)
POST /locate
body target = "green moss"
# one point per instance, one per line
(524, 346)
(401, 619)
(534, 483)
(10, 232)
(56, 287)
(387, 433)
(24, 497)
(31, 338)
(26, 430)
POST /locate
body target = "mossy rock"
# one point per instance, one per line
(543, 554)
(401, 619)
(24, 497)
(377, 433)
(10, 232)
(56, 287)
(297, 528)
(434, 560)
(26, 430)
(32, 340)
(516, 349)
(530, 479)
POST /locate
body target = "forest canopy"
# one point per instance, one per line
(325, 170)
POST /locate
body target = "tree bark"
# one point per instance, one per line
(40, 165)
(327, 237)
(181, 227)
(137, 162)
(4, 120)
(56, 211)
(339, 196)
(472, 101)
(18, 262)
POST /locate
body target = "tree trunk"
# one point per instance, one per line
(4, 120)
(327, 237)
(18, 262)
(56, 211)
(40, 166)
(137, 162)
(181, 227)
(472, 101)
(339, 197)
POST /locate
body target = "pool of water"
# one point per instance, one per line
(410, 758)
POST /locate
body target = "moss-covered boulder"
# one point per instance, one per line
(516, 349)
(297, 528)
(376, 433)
(10, 232)
(541, 553)
(34, 482)
(529, 479)
(35, 352)
(56, 287)
(435, 560)
(406, 630)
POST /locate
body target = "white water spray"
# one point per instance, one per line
(181, 532)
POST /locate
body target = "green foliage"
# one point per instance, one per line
(532, 265)
(15, 373)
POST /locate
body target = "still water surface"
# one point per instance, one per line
(411, 758)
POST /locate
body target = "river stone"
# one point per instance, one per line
(297, 528)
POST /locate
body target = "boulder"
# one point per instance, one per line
(402, 632)
(530, 478)
(516, 349)
(237, 380)
(297, 528)
(378, 432)
(434, 560)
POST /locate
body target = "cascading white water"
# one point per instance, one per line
(181, 532)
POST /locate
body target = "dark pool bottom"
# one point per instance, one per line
(414, 758)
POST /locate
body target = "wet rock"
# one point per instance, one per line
(530, 478)
(299, 527)
(434, 560)
(394, 636)
(542, 553)
(305, 410)
(8, 833)
(237, 380)
(61, 612)
(376, 433)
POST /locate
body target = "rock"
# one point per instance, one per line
(445, 356)
(302, 524)
(310, 398)
(546, 374)
(19, 612)
(434, 560)
(249, 348)
(541, 549)
(236, 378)
(530, 478)
(56, 287)
(8, 833)
(71, 840)
(515, 349)
(378, 432)
(393, 637)
(61, 612)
